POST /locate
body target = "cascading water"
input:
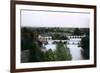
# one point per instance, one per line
(73, 46)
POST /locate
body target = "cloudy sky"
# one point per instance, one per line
(54, 19)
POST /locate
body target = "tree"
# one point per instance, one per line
(77, 32)
(26, 38)
(56, 36)
(35, 53)
(85, 46)
(49, 56)
(62, 52)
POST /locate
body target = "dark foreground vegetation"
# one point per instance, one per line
(29, 41)
(86, 46)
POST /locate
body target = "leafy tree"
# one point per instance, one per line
(28, 43)
(62, 52)
(56, 36)
(85, 46)
(35, 53)
(49, 56)
(77, 32)
(26, 39)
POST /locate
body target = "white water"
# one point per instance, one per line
(50, 45)
(74, 49)
(75, 52)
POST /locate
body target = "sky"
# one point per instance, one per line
(41, 18)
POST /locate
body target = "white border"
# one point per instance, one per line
(59, 63)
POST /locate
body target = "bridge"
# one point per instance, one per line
(75, 40)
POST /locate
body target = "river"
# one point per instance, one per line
(75, 52)
(74, 49)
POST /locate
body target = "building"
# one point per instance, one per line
(44, 38)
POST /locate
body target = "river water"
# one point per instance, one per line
(75, 52)
(74, 49)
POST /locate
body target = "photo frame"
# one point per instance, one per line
(54, 25)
